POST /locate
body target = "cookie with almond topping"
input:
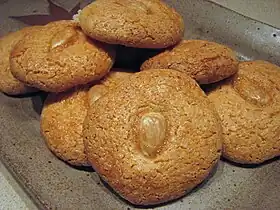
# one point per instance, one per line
(249, 108)
(206, 62)
(133, 23)
(154, 137)
(59, 57)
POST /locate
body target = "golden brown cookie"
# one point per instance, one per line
(249, 107)
(206, 62)
(134, 23)
(8, 83)
(59, 57)
(62, 120)
(110, 82)
(154, 137)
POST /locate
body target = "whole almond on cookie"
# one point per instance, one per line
(249, 107)
(60, 56)
(152, 131)
(154, 137)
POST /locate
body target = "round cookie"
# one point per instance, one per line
(249, 107)
(153, 138)
(59, 57)
(134, 23)
(8, 83)
(206, 62)
(108, 83)
(62, 120)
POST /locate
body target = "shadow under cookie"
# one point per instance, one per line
(38, 101)
(252, 166)
(132, 58)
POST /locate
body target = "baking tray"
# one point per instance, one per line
(52, 184)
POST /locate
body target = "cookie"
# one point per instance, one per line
(59, 57)
(110, 82)
(249, 107)
(133, 23)
(154, 137)
(62, 120)
(8, 83)
(206, 62)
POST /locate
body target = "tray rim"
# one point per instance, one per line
(31, 194)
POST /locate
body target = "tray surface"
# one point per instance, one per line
(53, 184)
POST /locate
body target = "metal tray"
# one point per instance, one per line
(53, 184)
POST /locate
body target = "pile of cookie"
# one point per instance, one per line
(154, 134)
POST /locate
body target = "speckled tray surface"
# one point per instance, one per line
(54, 185)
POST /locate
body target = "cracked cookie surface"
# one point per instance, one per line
(8, 83)
(59, 57)
(249, 108)
(206, 62)
(134, 23)
(154, 137)
(62, 120)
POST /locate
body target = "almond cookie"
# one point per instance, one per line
(62, 120)
(153, 138)
(8, 83)
(110, 82)
(59, 57)
(249, 107)
(206, 62)
(134, 23)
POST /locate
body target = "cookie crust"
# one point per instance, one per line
(107, 84)
(134, 23)
(62, 120)
(59, 57)
(249, 107)
(206, 62)
(8, 83)
(150, 165)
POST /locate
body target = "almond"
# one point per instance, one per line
(96, 92)
(63, 37)
(252, 91)
(152, 133)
